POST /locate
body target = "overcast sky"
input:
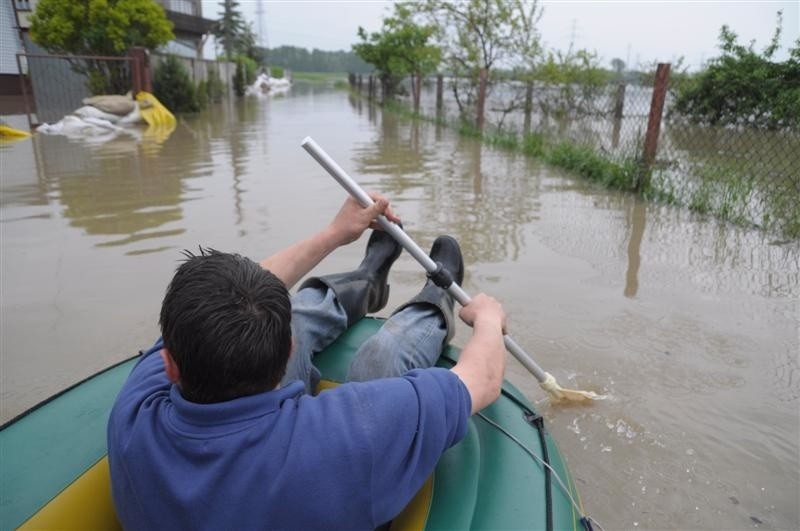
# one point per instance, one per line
(635, 31)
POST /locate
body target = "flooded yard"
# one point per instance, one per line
(688, 324)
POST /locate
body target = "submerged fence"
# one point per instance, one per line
(201, 69)
(59, 83)
(55, 85)
(746, 174)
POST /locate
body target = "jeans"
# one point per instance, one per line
(410, 339)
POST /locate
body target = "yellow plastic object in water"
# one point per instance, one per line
(152, 111)
(9, 133)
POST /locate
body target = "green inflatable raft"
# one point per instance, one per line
(507, 473)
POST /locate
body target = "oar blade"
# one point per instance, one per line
(559, 394)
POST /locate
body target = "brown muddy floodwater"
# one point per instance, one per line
(689, 324)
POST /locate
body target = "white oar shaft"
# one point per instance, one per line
(410, 245)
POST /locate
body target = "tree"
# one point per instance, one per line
(575, 80)
(400, 48)
(100, 27)
(743, 87)
(246, 45)
(301, 60)
(230, 28)
(479, 34)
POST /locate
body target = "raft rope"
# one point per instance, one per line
(587, 521)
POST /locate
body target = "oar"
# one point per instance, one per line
(546, 380)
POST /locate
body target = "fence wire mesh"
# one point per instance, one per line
(60, 82)
(745, 173)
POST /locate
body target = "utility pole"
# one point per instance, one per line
(262, 36)
(572, 35)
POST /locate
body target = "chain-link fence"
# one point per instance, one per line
(745, 173)
(742, 172)
(59, 83)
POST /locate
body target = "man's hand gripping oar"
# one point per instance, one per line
(546, 380)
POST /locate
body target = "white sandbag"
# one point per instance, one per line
(51, 129)
(87, 111)
(133, 117)
(102, 126)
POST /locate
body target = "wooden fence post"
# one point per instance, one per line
(526, 127)
(619, 106)
(439, 92)
(483, 80)
(654, 122)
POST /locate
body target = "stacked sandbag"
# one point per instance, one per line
(112, 104)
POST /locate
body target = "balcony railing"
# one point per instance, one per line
(185, 7)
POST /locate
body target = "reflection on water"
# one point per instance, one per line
(690, 324)
(481, 198)
(637, 222)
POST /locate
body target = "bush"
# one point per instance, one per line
(215, 88)
(173, 87)
(276, 72)
(745, 88)
(202, 94)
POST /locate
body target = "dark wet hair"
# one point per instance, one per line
(226, 322)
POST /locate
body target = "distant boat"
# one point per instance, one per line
(54, 471)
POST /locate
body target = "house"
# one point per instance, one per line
(189, 26)
(10, 45)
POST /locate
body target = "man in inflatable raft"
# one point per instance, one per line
(216, 427)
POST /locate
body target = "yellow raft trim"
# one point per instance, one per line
(84, 504)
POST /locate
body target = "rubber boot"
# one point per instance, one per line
(446, 252)
(363, 290)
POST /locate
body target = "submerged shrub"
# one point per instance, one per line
(173, 87)
(215, 88)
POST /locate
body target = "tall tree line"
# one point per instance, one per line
(303, 60)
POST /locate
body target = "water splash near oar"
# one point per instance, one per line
(546, 380)
(559, 394)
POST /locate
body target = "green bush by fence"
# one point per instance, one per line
(174, 88)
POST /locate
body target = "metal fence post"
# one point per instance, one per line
(140, 70)
(439, 92)
(619, 107)
(23, 78)
(654, 122)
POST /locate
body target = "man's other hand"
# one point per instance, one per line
(353, 219)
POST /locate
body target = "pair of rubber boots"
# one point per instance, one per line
(365, 289)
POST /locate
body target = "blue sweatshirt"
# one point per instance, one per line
(350, 458)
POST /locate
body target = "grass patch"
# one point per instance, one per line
(533, 145)
(502, 139)
(586, 162)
